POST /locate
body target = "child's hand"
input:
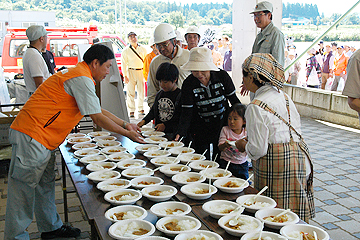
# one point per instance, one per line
(224, 146)
(160, 127)
(141, 123)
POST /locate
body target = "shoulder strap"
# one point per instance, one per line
(136, 53)
(267, 108)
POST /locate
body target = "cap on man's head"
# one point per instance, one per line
(342, 47)
(262, 7)
(34, 32)
(131, 33)
(192, 29)
(321, 41)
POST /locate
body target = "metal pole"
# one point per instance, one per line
(125, 19)
(322, 35)
(120, 19)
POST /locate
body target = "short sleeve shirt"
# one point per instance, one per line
(34, 66)
(83, 90)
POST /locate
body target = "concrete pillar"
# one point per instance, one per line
(244, 33)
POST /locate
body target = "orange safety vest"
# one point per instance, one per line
(340, 64)
(50, 113)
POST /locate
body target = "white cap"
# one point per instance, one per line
(34, 32)
(200, 59)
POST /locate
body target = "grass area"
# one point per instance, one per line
(308, 33)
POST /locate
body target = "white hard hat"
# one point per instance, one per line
(192, 29)
(163, 32)
(179, 36)
(151, 41)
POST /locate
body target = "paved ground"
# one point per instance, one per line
(335, 152)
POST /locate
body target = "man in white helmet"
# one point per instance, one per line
(192, 37)
(165, 40)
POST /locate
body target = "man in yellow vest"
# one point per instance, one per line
(42, 125)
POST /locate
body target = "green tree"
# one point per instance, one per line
(20, 6)
(176, 19)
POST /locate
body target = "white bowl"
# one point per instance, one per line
(105, 138)
(100, 166)
(104, 144)
(215, 174)
(219, 208)
(161, 161)
(152, 238)
(189, 190)
(172, 169)
(171, 144)
(199, 234)
(93, 159)
(292, 230)
(147, 129)
(160, 225)
(137, 172)
(147, 147)
(165, 209)
(187, 178)
(121, 156)
(157, 153)
(264, 213)
(135, 196)
(181, 150)
(113, 184)
(87, 152)
(75, 140)
(112, 150)
(115, 232)
(127, 212)
(166, 192)
(255, 225)
(71, 135)
(98, 134)
(155, 140)
(146, 181)
(79, 146)
(255, 235)
(103, 175)
(153, 134)
(231, 185)
(185, 158)
(201, 165)
(261, 202)
(131, 163)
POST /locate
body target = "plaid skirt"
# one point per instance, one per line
(283, 170)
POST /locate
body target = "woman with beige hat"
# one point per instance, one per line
(278, 152)
(204, 99)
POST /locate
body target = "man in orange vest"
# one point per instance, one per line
(42, 125)
(340, 64)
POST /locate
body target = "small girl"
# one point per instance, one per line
(234, 131)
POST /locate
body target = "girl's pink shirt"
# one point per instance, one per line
(232, 154)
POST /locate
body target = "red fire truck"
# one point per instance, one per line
(62, 42)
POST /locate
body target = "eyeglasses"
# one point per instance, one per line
(258, 15)
(162, 45)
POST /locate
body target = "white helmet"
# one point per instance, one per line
(192, 29)
(151, 41)
(163, 32)
(179, 36)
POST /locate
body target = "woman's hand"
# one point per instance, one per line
(160, 127)
(132, 127)
(135, 136)
(240, 144)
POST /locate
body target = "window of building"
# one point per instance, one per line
(46, 24)
(1, 26)
(27, 24)
(66, 47)
(18, 47)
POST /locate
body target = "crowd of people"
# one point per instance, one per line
(325, 65)
(192, 98)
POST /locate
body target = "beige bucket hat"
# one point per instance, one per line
(200, 60)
